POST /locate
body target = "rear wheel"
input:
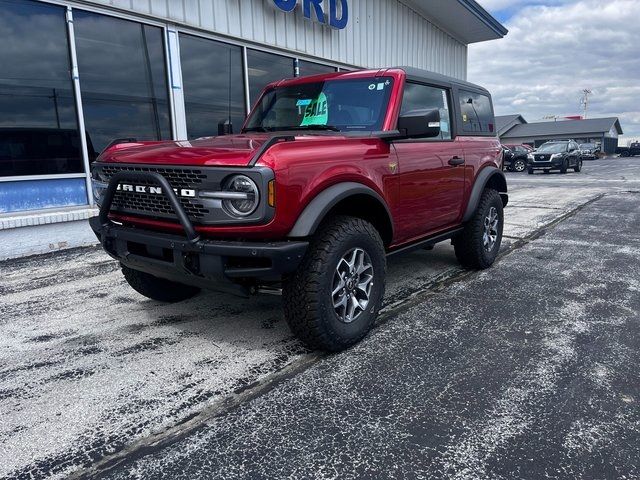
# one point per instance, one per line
(578, 166)
(332, 300)
(478, 245)
(158, 288)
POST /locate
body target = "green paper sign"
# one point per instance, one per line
(316, 112)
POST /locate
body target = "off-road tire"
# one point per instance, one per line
(578, 167)
(469, 247)
(307, 299)
(158, 288)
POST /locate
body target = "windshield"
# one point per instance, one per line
(340, 105)
(553, 148)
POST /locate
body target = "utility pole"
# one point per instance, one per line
(585, 101)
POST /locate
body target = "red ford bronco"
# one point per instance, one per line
(329, 176)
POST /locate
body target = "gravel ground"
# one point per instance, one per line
(88, 368)
(490, 378)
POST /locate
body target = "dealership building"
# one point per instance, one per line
(75, 75)
(515, 130)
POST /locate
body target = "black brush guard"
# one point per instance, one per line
(232, 266)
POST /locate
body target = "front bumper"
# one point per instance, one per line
(549, 165)
(233, 266)
(211, 264)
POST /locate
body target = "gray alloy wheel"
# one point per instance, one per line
(491, 224)
(333, 298)
(519, 166)
(352, 283)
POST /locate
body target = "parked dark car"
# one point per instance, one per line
(632, 150)
(515, 157)
(559, 155)
(589, 151)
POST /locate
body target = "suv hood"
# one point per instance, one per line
(231, 150)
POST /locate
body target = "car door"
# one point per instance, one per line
(430, 170)
(574, 151)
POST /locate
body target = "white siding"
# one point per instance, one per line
(380, 32)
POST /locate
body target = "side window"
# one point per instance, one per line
(477, 114)
(423, 97)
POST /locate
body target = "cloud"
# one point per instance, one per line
(553, 52)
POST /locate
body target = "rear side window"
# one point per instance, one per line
(418, 97)
(477, 114)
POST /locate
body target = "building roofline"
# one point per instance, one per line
(484, 16)
(465, 20)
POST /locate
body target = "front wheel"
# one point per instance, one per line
(519, 166)
(478, 245)
(530, 171)
(332, 300)
(564, 167)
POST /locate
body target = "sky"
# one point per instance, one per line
(557, 48)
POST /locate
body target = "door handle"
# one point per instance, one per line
(455, 161)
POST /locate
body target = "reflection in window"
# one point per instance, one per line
(310, 68)
(265, 68)
(213, 85)
(348, 105)
(418, 97)
(122, 79)
(38, 122)
(477, 114)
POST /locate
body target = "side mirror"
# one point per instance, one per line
(420, 124)
(225, 128)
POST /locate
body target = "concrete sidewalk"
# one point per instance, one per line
(525, 371)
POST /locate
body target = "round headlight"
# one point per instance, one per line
(246, 199)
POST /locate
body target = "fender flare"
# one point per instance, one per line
(313, 214)
(484, 177)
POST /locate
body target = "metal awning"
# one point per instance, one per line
(465, 20)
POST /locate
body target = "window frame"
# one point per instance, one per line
(460, 123)
(452, 125)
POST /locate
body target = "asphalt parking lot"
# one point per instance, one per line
(524, 370)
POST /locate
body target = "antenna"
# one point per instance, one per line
(585, 101)
(230, 83)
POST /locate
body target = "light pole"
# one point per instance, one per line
(585, 101)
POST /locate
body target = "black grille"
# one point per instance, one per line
(157, 205)
(177, 177)
(542, 158)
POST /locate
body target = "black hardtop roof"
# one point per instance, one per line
(426, 76)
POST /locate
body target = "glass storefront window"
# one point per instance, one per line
(311, 68)
(265, 68)
(122, 79)
(38, 120)
(213, 85)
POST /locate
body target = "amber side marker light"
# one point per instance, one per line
(272, 193)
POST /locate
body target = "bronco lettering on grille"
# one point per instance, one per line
(181, 192)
